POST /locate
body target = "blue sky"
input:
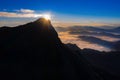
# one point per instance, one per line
(66, 11)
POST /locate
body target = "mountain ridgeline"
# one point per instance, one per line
(34, 52)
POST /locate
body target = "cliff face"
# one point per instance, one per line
(34, 51)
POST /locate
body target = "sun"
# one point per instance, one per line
(47, 16)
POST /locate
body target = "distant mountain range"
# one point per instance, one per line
(95, 35)
(96, 41)
(33, 51)
(88, 28)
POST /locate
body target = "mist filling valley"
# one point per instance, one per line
(90, 37)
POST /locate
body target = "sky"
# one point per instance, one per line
(64, 12)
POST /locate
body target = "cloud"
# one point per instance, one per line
(12, 14)
(22, 13)
(25, 11)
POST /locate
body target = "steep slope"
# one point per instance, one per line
(106, 64)
(34, 52)
(107, 61)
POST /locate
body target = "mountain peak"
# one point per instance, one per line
(43, 21)
(36, 50)
(46, 27)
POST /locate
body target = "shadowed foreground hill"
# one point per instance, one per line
(34, 52)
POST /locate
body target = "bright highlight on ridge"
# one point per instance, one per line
(46, 16)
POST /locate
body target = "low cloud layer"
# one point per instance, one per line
(90, 37)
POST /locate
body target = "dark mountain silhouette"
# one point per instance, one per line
(117, 46)
(108, 61)
(106, 64)
(116, 30)
(34, 52)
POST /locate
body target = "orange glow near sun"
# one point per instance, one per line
(46, 16)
